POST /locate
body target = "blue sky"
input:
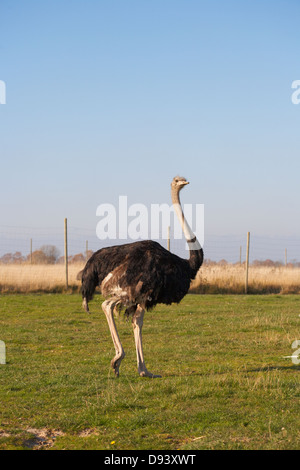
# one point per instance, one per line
(108, 98)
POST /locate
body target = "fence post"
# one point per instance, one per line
(30, 250)
(285, 257)
(168, 240)
(66, 253)
(240, 254)
(247, 262)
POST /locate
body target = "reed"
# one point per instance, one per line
(38, 278)
(215, 279)
(230, 279)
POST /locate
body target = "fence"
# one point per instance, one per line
(67, 245)
(231, 248)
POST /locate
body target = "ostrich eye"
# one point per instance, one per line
(176, 180)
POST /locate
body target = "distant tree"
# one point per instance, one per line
(38, 257)
(18, 258)
(222, 262)
(51, 253)
(267, 263)
(209, 262)
(79, 258)
(6, 259)
(257, 262)
(12, 258)
(47, 254)
(278, 264)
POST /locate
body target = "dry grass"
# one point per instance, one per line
(35, 278)
(229, 279)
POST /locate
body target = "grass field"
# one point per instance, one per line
(225, 382)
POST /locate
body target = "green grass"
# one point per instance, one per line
(225, 382)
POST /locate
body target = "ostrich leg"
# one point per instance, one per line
(108, 308)
(137, 321)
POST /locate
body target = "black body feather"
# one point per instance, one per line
(142, 273)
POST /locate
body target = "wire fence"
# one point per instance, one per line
(18, 243)
(33, 259)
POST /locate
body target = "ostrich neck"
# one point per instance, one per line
(196, 252)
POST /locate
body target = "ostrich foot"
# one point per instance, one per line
(116, 362)
(145, 373)
(85, 305)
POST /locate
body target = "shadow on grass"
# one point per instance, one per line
(270, 368)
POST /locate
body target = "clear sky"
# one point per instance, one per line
(112, 97)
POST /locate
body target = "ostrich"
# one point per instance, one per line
(139, 275)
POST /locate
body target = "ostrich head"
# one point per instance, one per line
(178, 183)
